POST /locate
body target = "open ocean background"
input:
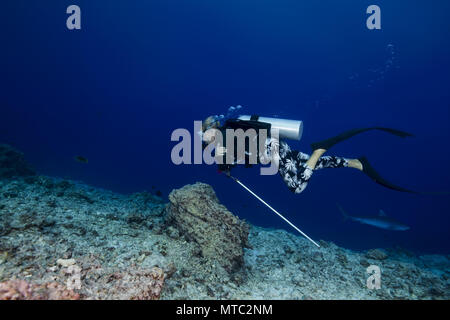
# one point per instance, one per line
(115, 90)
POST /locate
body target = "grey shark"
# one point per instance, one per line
(381, 221)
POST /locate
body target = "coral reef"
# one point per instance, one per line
(12, 163)
(376, 254)
(153, 285)
(61, 239)
(23, 290)
(198, 215)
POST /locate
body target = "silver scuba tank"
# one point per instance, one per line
(287, 129)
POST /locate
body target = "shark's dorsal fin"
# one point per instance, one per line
(382, 213)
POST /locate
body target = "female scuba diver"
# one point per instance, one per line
(295, 167)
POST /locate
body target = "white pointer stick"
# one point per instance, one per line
(256, 196)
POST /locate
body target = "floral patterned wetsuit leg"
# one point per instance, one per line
(294, 170)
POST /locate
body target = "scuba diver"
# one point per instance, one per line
(295, 167)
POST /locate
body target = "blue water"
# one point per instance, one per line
(115, 90)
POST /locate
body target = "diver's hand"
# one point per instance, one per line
(221, 151)
(225, 169)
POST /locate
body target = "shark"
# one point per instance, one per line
(381, 221)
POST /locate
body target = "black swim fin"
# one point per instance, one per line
(375, 176)
(328, 143)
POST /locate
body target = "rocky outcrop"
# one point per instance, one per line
(12, 163)
(196, 212)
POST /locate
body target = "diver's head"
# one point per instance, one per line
(209, 125)
(212, 122)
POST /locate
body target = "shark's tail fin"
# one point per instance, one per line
(344, 214)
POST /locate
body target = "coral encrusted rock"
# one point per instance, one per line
(12, 163)
(197, 214)
(23, 290)
(376, 254)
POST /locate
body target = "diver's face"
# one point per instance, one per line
(208, 123)
(209, 128)
(209, 135)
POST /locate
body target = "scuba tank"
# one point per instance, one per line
(287, 129)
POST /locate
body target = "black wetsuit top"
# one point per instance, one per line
(244, 125)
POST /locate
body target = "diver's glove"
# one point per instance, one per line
(224, 168)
